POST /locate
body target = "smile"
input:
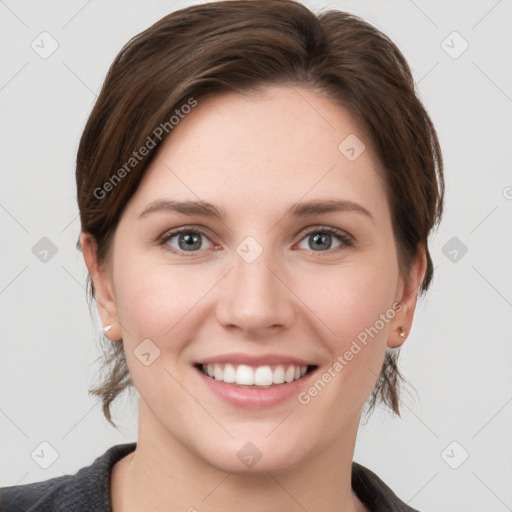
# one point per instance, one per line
(264, 376)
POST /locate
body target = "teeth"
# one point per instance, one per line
(263, 376)
(229, 373)
(217, 372)
(278, 375)
(244, 375)
(289, 375)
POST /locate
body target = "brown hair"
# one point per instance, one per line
(244, 45)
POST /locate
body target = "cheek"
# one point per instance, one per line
(355, 306)
(162, 302)
(350, 308)
(153, 299)
(157, 303)
(351, 299)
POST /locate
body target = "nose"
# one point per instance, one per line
(256, 298)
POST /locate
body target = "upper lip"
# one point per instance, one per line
(254, 360)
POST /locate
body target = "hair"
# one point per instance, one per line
(244, 46)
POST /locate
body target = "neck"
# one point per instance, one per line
(161, 475)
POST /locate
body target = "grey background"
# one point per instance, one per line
(458, 356)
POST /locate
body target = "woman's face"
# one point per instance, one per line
(268, 284)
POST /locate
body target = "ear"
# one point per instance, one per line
(400, 326)
(103, 289)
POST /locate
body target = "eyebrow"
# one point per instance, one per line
(206, 209)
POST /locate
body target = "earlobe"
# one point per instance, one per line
(397, 334)
(401, 325)
(103, 292)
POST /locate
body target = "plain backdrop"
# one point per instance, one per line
(452, 448)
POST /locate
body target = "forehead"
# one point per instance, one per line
(279, 144)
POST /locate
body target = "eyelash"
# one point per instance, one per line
(345, 239)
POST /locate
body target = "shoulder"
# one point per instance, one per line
(374, 493)
(46, 495)
(88, 489)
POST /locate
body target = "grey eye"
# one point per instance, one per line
(188, 241)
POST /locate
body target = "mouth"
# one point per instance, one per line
(255, 377)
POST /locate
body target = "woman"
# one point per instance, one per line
(256, 186)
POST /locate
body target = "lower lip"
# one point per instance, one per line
(256, 398)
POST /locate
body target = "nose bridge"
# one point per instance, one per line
(256, 297)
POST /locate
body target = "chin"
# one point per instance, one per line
(254, 454)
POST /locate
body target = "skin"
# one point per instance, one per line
(254, 156)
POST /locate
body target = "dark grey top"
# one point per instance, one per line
(89, 489)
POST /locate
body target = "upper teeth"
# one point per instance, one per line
(259, 376)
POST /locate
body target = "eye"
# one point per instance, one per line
(323, 239)
(184, 240)
(191, 240)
